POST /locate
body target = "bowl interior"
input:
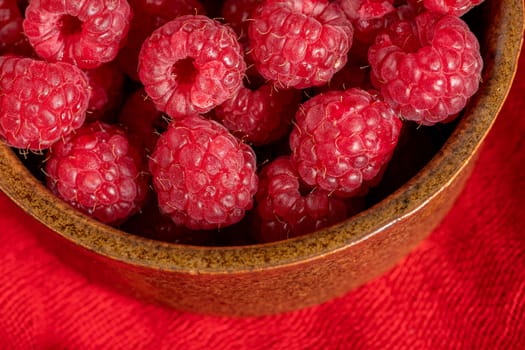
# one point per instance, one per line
(499, 26)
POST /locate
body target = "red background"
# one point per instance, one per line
(464, 287)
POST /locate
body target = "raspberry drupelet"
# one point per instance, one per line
(40, 102)
(191, 65)
(203, 176)
(342, 141)
(299, 43)
(86, 33)
(426, 68)
(285, 208)
(98, 171)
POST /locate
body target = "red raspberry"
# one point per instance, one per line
(366, 27)
(366, 9)
(299, 43)
(285, 209)
(10, 23)
(106, 83)
(203, 176)
(259, 117)
(40, 102)
(191, 65)
(355, 73)
(427, 68)
(342, 141)
(142, 119)
(86, 33)
(153, 14)
(12, 38)
(99, 172)
(451, 7)
(238, 13)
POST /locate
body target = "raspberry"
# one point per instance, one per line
(12, 38)
(191, 65)
(286, 209)
(366, 27)
(86, 33)
(355, 73)
(259, 117)
(203, 176)
(237, 13)
(142, 119)
(342, 141)
(427, 68)
(10, 23)
(106, 83)
(99, 172)
(40, 102)
(451, 7)
(366, 9)
(299, 43)
(153, 14)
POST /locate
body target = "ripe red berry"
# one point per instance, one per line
(86, 33)
(368, 19)
(10, 24)
(238, 13)
(191, 65)
(366, 9)
(107, 89)
(142, 119)
(12, 38)
(151, 14)
(40, 102)
(99, 172)
(427, 68)
(285, 208)
(203, 176)
(299, 43)
(342, 141)
(355, 73)
(261, 116)
(451, 7)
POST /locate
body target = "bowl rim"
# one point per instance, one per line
(445, 166)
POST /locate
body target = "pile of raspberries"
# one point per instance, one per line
(186, 118)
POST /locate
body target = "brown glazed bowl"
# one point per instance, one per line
(295, 273)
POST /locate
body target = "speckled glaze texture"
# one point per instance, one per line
(296, 273)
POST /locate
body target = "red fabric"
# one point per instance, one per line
(464, 287)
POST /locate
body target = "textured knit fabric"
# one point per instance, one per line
(462, 288)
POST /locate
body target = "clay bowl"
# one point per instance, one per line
(295, 273)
